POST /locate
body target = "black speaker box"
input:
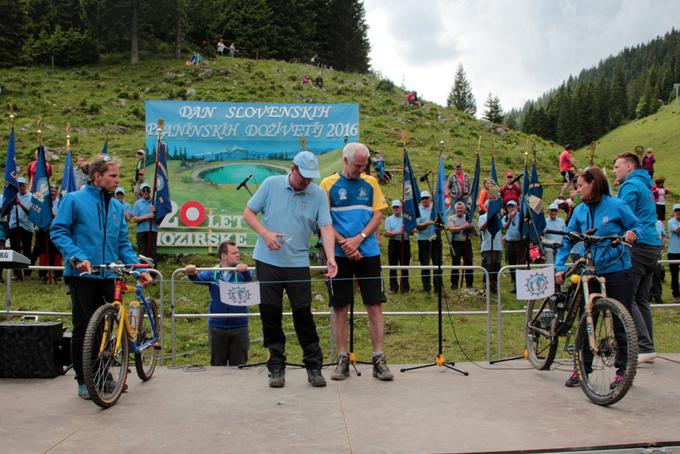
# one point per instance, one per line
(32, 350)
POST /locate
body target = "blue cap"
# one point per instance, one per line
(308, 164)
(119, 189)
(21, 180)
(676, 207)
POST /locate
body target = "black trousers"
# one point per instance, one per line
(297, 284)
(461, 250)
(674, 268)
(515, 254)
(86, 296)
(618, 288)
(228, 346)
(395, 256)
(146, 245)
(21, 243)
(430, 250)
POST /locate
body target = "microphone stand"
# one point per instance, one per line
(440, 360)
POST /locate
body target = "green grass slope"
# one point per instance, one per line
(109, 97)
(660, 131)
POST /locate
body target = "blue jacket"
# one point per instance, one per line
(87, 227)
(636, 191)
(213, 279)
(609, 217)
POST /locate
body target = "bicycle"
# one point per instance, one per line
(113, 333)
(595, 347)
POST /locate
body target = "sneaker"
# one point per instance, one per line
(315, 378)
(380, 369)
(618, 379)
(572, 381)
(646, 357)
(83, 393)
(341, 369)
(277, 377)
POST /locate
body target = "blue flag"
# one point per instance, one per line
(439, 204)
(534, 203)
(474, 193)
(40, 212)
(68, 181)
(105, 150)
(11, 186)
(162, 201)
(411, 196)
(493, 219)
(523, 213)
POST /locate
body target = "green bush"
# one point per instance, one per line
(385, 85)
(68, 48)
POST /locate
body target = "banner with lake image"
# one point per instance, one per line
(213, 147)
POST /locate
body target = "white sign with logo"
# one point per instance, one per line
(240, 294)
(537, 283)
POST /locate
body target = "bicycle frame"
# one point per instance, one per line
(130, 334)
(587, 274)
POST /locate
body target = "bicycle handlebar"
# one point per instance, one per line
(589, 238)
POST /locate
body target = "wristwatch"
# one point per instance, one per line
(363, 235)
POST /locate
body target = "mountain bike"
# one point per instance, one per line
(597, 352)
(116, 330)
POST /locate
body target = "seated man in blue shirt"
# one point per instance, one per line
(228, 337)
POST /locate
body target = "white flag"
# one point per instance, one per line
(537, 283)
(240, 293)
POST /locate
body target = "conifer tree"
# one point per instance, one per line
(493, 112)
(460, 96)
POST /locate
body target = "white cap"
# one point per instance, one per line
(396, 203)
(425, 194)
(553, 206)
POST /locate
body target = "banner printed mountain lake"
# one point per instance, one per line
(212, 147)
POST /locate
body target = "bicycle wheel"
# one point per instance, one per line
(617, 350)
(104, 365)
(145, 361)
(541, 346)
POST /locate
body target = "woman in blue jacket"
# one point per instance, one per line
(90, 229)
(607, 216)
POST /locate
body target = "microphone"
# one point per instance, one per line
(424, 177)
(244, 183)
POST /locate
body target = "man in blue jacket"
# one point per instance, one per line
(228, 337)
(636, 192)
(91, 230)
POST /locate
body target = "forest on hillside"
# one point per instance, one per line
(621, 88)
(73, 32)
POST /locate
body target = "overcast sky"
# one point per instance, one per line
(516, 49)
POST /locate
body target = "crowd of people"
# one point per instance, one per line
(19, 233)
(346, 210)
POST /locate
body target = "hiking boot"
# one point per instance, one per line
(572, 381)
(341, 369)
(380, 369)
(277, 377)
(83, 393)
(315, 378)
(618, 379)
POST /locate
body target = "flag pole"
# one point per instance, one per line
(159, 133)
(404, 139)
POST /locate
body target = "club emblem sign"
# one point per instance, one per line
(535, 283)
(240, 294)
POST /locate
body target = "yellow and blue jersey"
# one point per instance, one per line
(352, 204)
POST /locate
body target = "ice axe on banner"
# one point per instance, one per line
(244, 184)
